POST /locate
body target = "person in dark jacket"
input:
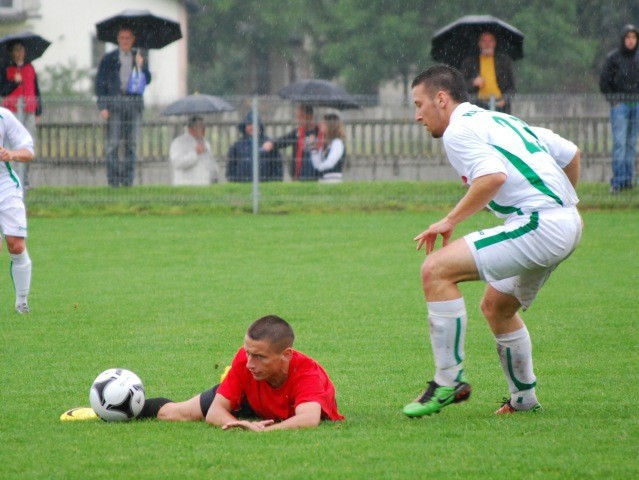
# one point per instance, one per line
(21, 92)
(303, 139)
(619, 81)
(121, 105)
(489, 74)
(240, 156)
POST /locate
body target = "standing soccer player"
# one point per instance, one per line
(518, 174)
(16, 146)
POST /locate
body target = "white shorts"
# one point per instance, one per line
(13, 217)
(518, 257)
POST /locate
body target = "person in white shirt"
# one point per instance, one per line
(191, 157)
(16, 146)
(524, 175)
(328, 159)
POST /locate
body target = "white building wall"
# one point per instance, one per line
(70, 25)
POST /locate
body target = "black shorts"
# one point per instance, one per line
(206, 400)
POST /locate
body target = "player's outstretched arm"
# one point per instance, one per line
(307, 415)
(481, 192)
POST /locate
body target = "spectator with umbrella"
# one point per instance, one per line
(19, 86)
(120, 82)
(191, 157)
(307, 136)
(488, 70)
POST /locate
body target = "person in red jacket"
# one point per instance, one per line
(19, 87)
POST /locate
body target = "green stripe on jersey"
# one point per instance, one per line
(12, 174)
(502, 236)
(505, 210)
(529, 174)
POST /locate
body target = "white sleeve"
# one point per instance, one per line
(16, 135)
(335, 153)
(562, 150)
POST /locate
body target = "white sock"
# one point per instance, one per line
(515, 354)
(447, 322)
(21, 275)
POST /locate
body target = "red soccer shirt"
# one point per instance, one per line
(307, 382)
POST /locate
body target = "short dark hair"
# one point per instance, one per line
(443, 77)
(195, 120)
(274, 330)
(307, 109)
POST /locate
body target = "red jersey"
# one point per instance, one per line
(307, 382)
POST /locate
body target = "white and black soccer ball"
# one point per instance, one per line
(117, 395)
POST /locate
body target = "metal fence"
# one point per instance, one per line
(383, 142)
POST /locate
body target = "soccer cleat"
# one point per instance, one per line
(436, 397)
(506, 407)
(80, 413)
(22, 309)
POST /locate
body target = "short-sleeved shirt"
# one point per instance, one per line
(307, 382)
(13, 136)
(480, 142)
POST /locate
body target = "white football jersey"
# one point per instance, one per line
(481, 142)
(13, 136)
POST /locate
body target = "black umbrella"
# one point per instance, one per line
(459, 39)
(34, 45)
(197, 104)
(150, 30)
(320, 93)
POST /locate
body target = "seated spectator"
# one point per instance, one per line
(301, 138)
(328, 159)
(240, 157)
(191, 157)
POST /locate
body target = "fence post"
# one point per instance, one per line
(256, 160)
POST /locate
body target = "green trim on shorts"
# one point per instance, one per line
(530, 175)
(502, 236)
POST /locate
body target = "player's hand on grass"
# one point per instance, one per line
(259, 426)
(428, 237)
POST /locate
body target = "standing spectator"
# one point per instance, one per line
(121, 105)
(302, 139)
(619, 81)
(19, 87)
(240, 157)
(192, 160)
(16, 145)
(489, 74)
(329, 160)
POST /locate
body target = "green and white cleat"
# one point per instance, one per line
(507, 407)
(436, 397)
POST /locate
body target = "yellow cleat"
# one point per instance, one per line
(80, 413)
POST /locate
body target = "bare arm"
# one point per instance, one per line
(21, 155)
(481, 191)
(220, 412)
(573, 169)
(307, 415)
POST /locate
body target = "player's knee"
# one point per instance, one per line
(487, 308)
(432, 272)
(16, 245)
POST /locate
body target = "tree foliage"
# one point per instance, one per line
(362, 43)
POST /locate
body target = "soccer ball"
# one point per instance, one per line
(117, 395)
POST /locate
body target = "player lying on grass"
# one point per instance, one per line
(525, 176)
(270, 386)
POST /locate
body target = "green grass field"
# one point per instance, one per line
(170, 296)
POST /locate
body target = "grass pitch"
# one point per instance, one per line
(169, 297)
